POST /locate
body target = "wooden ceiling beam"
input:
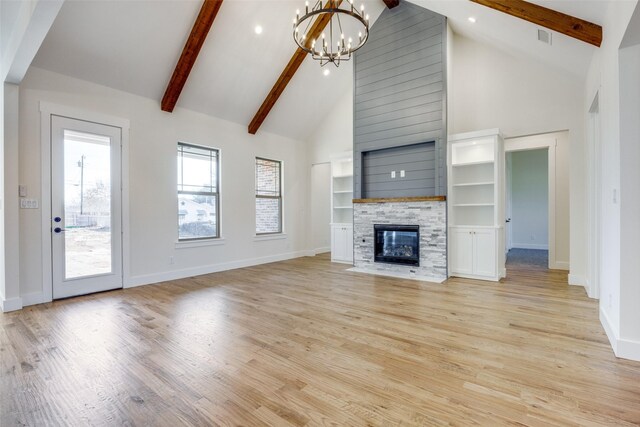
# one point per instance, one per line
(391, 3)
(289, 71)
(557, 21)
(192, 47)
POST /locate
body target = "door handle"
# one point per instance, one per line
(58, 230)
(508, 220)
(57, 219)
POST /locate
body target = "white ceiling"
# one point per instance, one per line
(519, 37)
(134, 45)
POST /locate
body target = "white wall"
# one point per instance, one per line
(630, 194)
(530, 199)
(334, 136)
(152, 183)
(11, 204)
(603, 78)
(618, 283)
(494, 89)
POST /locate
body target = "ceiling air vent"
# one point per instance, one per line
(544, 36)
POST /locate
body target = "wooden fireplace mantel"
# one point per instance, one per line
(403, 199)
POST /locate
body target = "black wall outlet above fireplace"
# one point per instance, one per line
(397, 244)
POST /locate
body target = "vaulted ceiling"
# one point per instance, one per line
(134, 45)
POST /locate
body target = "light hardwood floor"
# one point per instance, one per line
(305, 342)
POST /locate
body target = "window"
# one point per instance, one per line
(198, 192)
(268, 196)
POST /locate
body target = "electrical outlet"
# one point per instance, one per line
(393, 174)
(533, 237)
(171, 260)
(22, 190)
(615, 195)
(610, 301)
(28, 204)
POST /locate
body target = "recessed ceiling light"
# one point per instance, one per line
(258, 29)
(472, 19)
(326, 72)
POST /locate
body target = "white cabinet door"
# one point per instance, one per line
(484, 252)
(348, 244)
(338, 243)
(342, 243)
(461, 250)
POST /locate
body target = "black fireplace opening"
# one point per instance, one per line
(397, 244)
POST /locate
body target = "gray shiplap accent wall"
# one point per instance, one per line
(418, 163)
(400, 100)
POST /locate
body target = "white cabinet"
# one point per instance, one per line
(473, 252)
(476, 205)
(342, 243)
(461, 248)
(342, 209)
(484, 252)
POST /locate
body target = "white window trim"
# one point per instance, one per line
(194, 243)
(282, 232)
(272, 236)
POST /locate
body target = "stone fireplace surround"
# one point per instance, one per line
(430, 213)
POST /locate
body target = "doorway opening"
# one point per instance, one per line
(527, 207)
(533, 211)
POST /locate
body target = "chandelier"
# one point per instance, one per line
(346, 32)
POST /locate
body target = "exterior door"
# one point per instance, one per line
(86, 223)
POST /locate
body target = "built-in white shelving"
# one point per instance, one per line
(342, 209)
(476, 207)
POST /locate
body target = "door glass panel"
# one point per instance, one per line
(87, 204)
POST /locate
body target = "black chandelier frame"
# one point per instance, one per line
(326, 53)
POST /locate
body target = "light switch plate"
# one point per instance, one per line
(401, 174)
(28, 204)
(393, 174)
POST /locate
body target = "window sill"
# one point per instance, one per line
(274, 236)
(199, 243)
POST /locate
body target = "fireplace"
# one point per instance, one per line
(397, 244)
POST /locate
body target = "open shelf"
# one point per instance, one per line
(473, 204)
(342, 191)
(473, 184)
(483, 162)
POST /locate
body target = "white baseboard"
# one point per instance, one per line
(33, 299)
(622, 348)
(609, 330)
(322, 250)
(11, 304)
(628, 349)
(577, 280)
(148, 279)
(530, 246)
(559, 265)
